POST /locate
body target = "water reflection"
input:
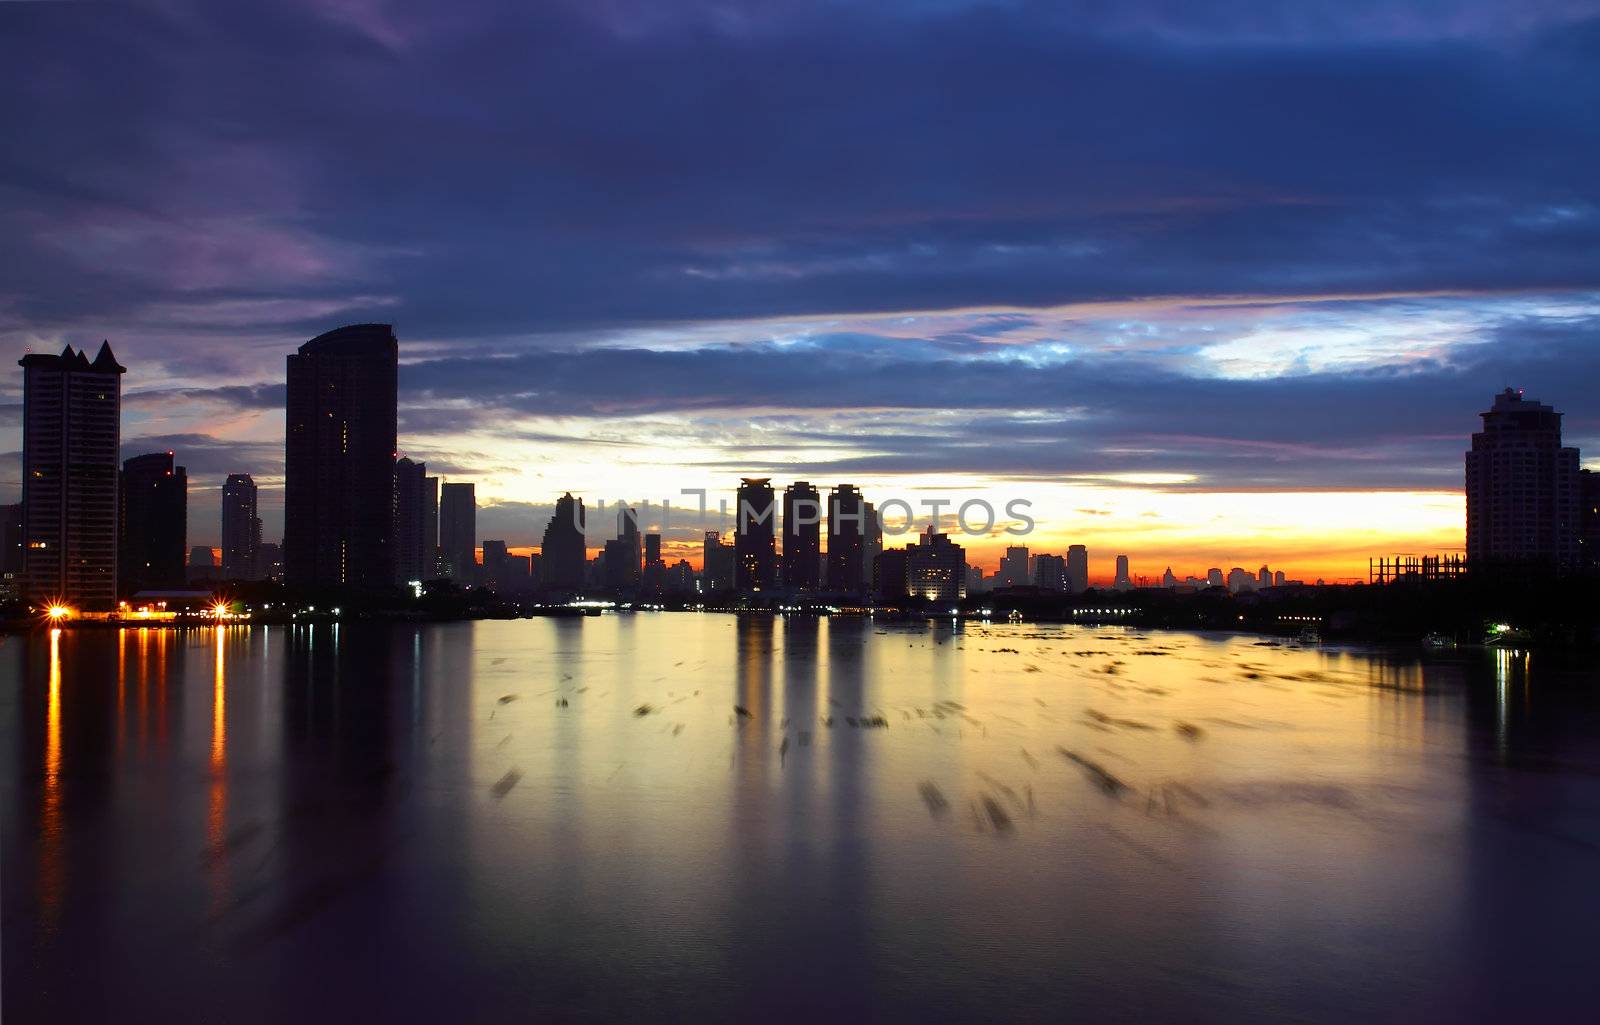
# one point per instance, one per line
(381, 819)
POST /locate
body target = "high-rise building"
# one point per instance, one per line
(1522, 487)
(1278, 578)
(1014, 567)
(802, 536)
(847, 530)
(652, 548)
(716, 564)
(202, 564)
(1123, 582)
(11, 540)
(1050, 572)
(563, 555)
(871, 542)
(338, 513)
(152, 531)
(628, 557)
(889, 575)
(1263, 577)
(270, 558)
(1169, 580)
(754, 545)
(415, 511)
(1589, 520)
(1077, 569)
(458, 531)
(241, 529)
(1240, 580)
(71, 430)
(936, 568)
(1214, 577)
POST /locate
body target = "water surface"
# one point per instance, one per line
(679, 817)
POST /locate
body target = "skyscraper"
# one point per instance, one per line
(629, 554)
(241, 529)
(716, 565)
(871, 542)
(846, 531)
(71, 429)
(1014, 567)
(339, 450)
(1589, 520)
(1077, 569)
(458, 531)
(1050, 573)
(151, 533)
(563, 554)
(753, 542)
(414, 513)
(1522, 487)
(1122, 582)
(936, 568)
(802, 536)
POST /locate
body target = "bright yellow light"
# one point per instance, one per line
(219, 610)
(59, 612)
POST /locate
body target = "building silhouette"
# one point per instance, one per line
(871, 541)
(1522, 488)
(269, 559)
(846, 534)
(202, 564)
(563, 556)
(754, 548)
(241, 529)
(936, 568)
(889, 575)
(458, 531)
(1077, 569)
(716, 564)
(339, 458)
(1589, 520)
(1050, 573)
(802, 536)
(71, 430)
(416, 518)
(153, 525)
(1122, 581)
(1014, 567)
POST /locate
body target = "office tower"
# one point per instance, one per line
(846, 532)
(241, 529)
(269, 557)
(11, 540)
(458, 531)
(1077, 569)
(151, 534)
(1122, 582)
(563, 556)
(1263, 577)
(1214, 577)
(716, 564)
(871, 541)
(975, 582)
(1168, 579)
(889, 575)
(680, 578)
(1522, 487)
(754, 535)
(415, 511)
(936, 568)
(802, 536)
(71, 429)
(654, 579)
(1013, 567)
(1240, 580)
(1589, 520)
(628, 556)
(496, 571)
(1277, 579)
(338, 512)
(652, 548)
(432, 560)
(1050, 573)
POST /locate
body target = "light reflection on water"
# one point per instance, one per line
(675, 816)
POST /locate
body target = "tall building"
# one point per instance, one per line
(1014, 567)
(563, 555)
(11, 540)
(338, 512)
(1169, 580)
(1123, 582)
(802, 536)
(1077, 569)
(889, 575)
(416, 518)
(716, 564)
(1589, 520)
(754, 550)
(936, 568)
(628, 556)
(458, 531)
(871, 541)
(1263, 577)
(1522, 487)
(269, 557)
(202, 564)
(241, 529)
(1214, 577)
(152, 531)
(1050, 573)
(71, 430)
(652, 549)
(847, 516)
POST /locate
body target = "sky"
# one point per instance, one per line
(1211, 284)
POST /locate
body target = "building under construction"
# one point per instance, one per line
(1412, 568)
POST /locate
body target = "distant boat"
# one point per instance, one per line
(1014, 617)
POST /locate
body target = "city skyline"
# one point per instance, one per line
(1229, 335)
